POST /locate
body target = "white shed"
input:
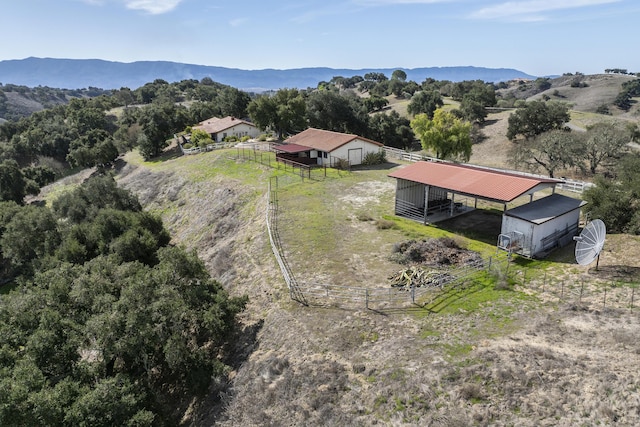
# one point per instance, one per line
(534, 229)
(325, 147)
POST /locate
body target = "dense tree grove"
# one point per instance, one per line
(108, 322)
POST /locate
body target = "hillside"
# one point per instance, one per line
(524, 355)
(82, 73)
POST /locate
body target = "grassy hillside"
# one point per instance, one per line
(520, 352)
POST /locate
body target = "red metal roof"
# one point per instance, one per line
(325, 140)
(291, 148)
(470, 180)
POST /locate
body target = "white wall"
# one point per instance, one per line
(535, 233)
(239, 130)
(367, 147)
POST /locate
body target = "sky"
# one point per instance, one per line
(538, 37)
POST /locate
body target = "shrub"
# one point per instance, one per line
(245, 138)
(372, 158)
(187, 146)
(603, 109)
(385, 224)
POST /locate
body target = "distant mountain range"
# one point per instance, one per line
(84, 73)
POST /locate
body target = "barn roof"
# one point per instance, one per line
(291, 148)
(325, 140)
(472, 180)
(545, 209)
(216, 124)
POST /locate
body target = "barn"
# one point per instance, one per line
(326, 148)
(435, 191)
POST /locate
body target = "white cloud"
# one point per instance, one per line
(532, 10)
(154, 7)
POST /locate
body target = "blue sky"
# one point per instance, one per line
(539, 37)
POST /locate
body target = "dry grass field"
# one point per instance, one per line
(542, 343)
(523, 351)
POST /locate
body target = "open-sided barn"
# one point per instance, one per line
(426, 192)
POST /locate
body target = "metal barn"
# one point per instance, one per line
(534, 229)
(432, 191)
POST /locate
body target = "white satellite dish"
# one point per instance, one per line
(590, 242)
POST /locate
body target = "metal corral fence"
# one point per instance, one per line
(567, 184)
(345, 296)
(264, 155)
(587, 292)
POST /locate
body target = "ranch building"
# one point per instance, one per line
(220, 128)
(326, 148)
(434, 191)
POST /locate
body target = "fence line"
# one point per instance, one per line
(323, 294)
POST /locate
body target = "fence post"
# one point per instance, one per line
(604, 301)
(366, 298)
(633, 292)
(562, 291)
(581, 290)
(413, 294)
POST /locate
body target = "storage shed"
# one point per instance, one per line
(534, 229)
(326, 148)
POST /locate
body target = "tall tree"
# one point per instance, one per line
(552, 150)
(537, 117)
(425, 102)
(391, 129)
(605, 142)
(445, 134)
(331, 111)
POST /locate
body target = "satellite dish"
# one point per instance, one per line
(590, 242)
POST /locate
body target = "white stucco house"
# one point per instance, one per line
(220, 128)
(326, 148)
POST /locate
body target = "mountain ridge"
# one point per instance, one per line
(82, 73)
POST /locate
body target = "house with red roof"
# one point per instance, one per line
(326, 148)
(220, 128)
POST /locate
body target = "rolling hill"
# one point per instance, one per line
(81, 73)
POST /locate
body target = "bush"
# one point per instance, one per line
(245, 138)
(187, 146)
(372, 158)
(385, 224)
